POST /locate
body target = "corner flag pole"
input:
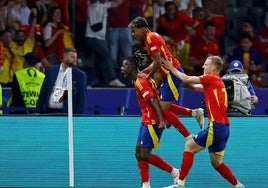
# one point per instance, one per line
(70, 127)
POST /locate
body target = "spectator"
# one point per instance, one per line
(201, 16)
(176, 23)
(22, 44)
(97, 45)
(37, 27)
(63, 5)
(151, 10)
(249, 57)
(80, 24)
(53, 36)
(38, 51)
(55, 81)
(203, 47)
(241, 102)
(217, 11)
(158, 8)
(187, 6)
(26, 86)
(6, 58)
(120, 39)
(17, 14)
(41, 8)
(248, 26)
(138, 8)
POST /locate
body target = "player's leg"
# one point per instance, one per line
(163, 165)
(224, 170)
(197, 113)
(155, 135)
(191, 148)
(169, 92)
(216, 151)
(174, 120)
(175, 84)
(143, 165)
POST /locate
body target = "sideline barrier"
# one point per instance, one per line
(116, 101)
(34, 153)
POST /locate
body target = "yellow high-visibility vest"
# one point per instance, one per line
(30, 82)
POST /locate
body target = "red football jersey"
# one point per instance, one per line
(177, 28)
(154, 43)
(200, 49)
(215, 98)
(145, 89)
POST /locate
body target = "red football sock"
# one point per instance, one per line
(176, 109)
(174, 120)
(144, 170)
(226, 172)
(160, 163)
(187, 162)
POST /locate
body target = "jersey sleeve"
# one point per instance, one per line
(144, 88)
(152, 43)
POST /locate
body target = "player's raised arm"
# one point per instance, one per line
(183, 77)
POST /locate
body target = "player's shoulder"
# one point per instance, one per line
(141, 80)
(153, 35)
(144, 81)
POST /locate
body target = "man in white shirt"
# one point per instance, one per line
(96, 43)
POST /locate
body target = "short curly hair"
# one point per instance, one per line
(138, 22)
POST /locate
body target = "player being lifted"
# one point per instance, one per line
(169, 88)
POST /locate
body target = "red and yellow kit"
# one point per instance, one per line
(154, 43)
(145, 89)
(215, 97)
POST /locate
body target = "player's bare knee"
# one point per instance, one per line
(138, 156)
(215, 163)
(145, 157)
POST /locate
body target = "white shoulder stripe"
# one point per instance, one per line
(145, 94)
(153, 48)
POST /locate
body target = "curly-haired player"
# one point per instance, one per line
(152, 121)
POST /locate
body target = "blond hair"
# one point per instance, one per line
(217, 61)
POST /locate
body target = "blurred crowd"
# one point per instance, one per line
(98, 30)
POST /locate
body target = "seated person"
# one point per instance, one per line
(241, 94)
(249, 57)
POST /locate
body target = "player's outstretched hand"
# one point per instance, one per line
(167, 63)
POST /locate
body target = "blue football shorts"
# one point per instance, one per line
(149, 136)
(169, 89)
(214, 137)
